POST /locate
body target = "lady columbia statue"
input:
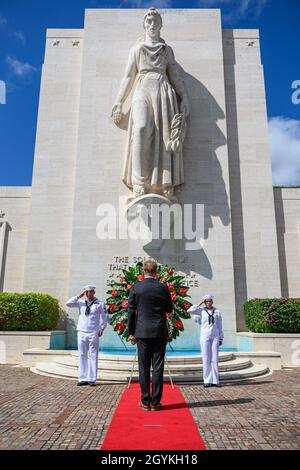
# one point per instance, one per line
(156, 128)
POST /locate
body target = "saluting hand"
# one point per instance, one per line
(82, 294)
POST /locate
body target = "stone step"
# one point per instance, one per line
(187, 375)
(121, 367)
(255, 371)
(52, 369)
(197, 358)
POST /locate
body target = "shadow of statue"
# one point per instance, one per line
(204, 183)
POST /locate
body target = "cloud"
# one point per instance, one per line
(284, 136)
(239, 8)
(19, 68)
(5, 26)
(3, 21)
(2, 92)
(20, 36)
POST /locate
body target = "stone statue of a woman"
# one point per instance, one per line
(153, 160)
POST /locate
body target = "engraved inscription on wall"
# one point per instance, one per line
(123, 262)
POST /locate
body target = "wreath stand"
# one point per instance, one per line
(132, 369)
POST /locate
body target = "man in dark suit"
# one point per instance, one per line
(149, 300)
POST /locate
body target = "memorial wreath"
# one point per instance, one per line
(117, 300)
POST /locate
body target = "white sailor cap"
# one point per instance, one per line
(90, 287)
(208, 297)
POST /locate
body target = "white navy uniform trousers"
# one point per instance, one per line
(211, 334)
(88, 328)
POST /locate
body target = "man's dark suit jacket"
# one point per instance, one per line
(148, 302)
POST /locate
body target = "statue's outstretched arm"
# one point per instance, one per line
(125, 87)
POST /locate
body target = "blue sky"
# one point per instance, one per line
(22, 40)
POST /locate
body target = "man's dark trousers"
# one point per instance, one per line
(148, 303)
(151, 350)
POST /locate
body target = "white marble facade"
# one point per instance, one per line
(78, 166)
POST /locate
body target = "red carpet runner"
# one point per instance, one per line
(172, 428)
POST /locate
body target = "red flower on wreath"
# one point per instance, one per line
(171, 287)
(186, 305)
(125, 303)
(120, 326)
(174, 297)
(129, 286)
(183, 291)
(164, 280)
(122, 279)
(112, 307)
(114, 293)
(141, 277)
(178, 324)
(168, 315)
(171, 272)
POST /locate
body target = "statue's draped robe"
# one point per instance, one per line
(151, 165)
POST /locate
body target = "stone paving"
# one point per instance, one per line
(39, 412)
(263, 414)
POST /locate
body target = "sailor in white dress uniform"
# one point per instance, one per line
(211, 338)
(93, 319)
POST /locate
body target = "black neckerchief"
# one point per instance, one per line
(88, 307)
(211, 318)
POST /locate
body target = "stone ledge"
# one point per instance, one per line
(287, 344)
(65, 33)
(32, 333)
(13, 343)
(268, 335)
(15, 191)
(286, 193)
(240, 33)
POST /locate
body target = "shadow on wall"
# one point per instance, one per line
(280, 219)
(62, 320)
(234, 162)
(4, 229)
(71, 332)
(204, 183)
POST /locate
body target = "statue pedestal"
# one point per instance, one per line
(149, 209)
(148, 199)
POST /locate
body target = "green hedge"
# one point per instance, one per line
(28, 312)
(273, 315)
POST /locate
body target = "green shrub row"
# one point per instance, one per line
(28, 312)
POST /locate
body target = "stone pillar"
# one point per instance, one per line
(51, 215)
(287, 207)
(255, 252)
(3, 248)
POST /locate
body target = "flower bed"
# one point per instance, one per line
(273, 315)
